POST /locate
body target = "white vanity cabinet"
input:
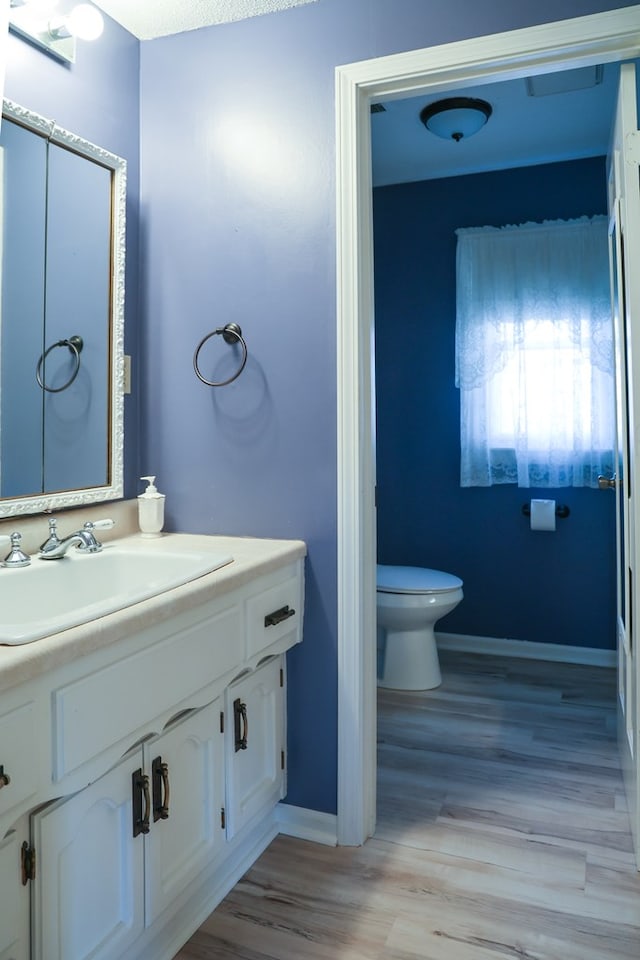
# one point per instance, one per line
(18, 758)
(255, 718)
(144, 774)
(115, 855)
(87, 893)
(14, 896)
(186, 831)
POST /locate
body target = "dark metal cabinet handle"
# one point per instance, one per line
(147, 804)
(5, 779)
(28, 863)
(241, 724)
(161, 789)
(140, 790)
(273, 619)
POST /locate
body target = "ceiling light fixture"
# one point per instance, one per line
(456, 118)
(40, 22)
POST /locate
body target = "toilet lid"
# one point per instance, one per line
(392, 579)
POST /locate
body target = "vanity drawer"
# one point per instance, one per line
(113, 704)
(275, 612)
(18, 756)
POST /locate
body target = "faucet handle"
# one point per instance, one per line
(99, 524)
(93, 545)
(53, 539)
(16, 557)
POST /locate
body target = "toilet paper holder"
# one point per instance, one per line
(562, 510)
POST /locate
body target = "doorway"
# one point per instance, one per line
(601, 38)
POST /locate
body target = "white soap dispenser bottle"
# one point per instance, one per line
(151, 510)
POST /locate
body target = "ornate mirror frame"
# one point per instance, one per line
(113, 489)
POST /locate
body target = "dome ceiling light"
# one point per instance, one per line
(456, 118)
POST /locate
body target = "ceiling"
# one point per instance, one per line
(147, 19)
(570, 118)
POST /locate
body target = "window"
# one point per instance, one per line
(534, 354)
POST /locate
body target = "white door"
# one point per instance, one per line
(186, 768)
(88, 893)
(624, 232)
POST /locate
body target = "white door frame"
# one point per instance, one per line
(600, 38)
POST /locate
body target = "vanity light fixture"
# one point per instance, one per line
(456, 118)
(41, 23)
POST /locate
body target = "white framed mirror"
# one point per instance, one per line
(62, 281)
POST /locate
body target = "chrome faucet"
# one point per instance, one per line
(54, 548)
(16, 556)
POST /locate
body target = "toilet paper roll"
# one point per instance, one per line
(543, 514)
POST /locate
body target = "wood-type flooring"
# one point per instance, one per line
(502, 834)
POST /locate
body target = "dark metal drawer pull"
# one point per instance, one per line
(5, 779)
(272, 619)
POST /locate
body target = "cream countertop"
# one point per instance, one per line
(252, 557)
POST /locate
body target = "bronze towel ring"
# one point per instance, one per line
(75, 344)
(231, 333)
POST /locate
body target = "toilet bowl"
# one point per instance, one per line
(410, 600)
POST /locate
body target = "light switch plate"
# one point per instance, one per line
(126, 375)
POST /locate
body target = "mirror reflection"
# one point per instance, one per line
(61, 323)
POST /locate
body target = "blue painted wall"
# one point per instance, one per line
(98, 98)
(23, 284)
(56, 239)
(238, 220)
(238, 223)
(518, 584)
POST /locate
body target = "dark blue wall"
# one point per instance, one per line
(517, 583)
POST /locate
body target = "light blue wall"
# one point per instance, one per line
(24, 161)
(238, 221)
(76, 420)
(55, 239)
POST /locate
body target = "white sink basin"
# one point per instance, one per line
(53, 595)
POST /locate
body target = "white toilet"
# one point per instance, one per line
(409, 602)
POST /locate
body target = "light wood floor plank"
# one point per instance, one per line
(502, 835)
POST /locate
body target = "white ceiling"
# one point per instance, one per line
(569, 121)
(147, 19)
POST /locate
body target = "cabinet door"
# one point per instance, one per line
(14, 896)
(88, 894)
(254, 744)
(186, 767)
(18, 771)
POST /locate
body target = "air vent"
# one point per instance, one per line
(564, 82)
(378, 108)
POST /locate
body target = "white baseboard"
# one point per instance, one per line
(307, 824)
(197, 901)
(507, 647)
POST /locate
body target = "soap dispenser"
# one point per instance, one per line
(151, 509)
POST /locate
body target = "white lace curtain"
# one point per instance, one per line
(534, 354)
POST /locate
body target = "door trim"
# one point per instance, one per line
(600, 38)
